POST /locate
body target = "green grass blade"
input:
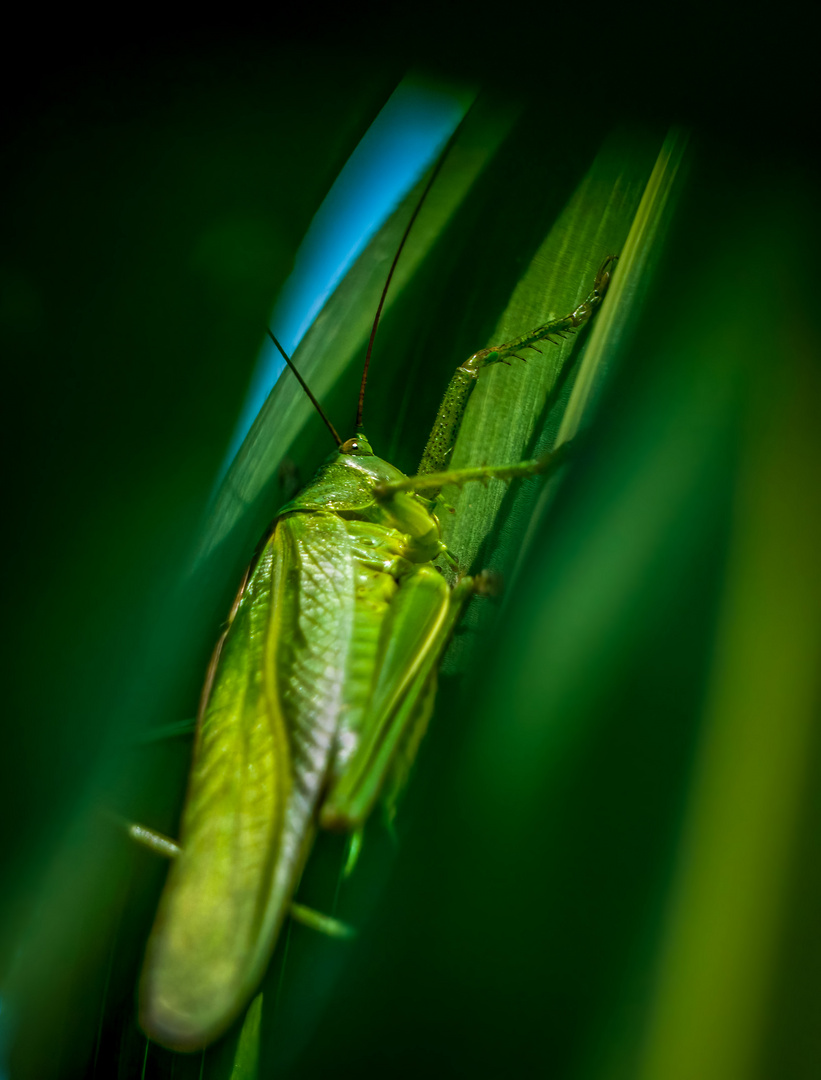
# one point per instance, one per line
(635, 268)
(246, 1059)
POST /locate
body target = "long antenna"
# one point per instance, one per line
(408, 228)
(304, 386)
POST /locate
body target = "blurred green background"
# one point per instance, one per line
(608, 862)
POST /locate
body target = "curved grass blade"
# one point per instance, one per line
(518, 412)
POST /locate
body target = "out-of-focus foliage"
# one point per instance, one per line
(607, 865)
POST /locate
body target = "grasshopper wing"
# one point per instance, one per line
(264, 746)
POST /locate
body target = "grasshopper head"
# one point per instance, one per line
(357, 446)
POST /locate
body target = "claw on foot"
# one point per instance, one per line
(488, 583)
(605, 273)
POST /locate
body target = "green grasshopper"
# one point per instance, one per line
(315, 702)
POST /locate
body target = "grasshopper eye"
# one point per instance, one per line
(350, 446)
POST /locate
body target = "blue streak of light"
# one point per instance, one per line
(395, 150)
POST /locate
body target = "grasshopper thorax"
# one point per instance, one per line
(345, 481)
(346, 485)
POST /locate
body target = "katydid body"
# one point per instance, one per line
(314, 707)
